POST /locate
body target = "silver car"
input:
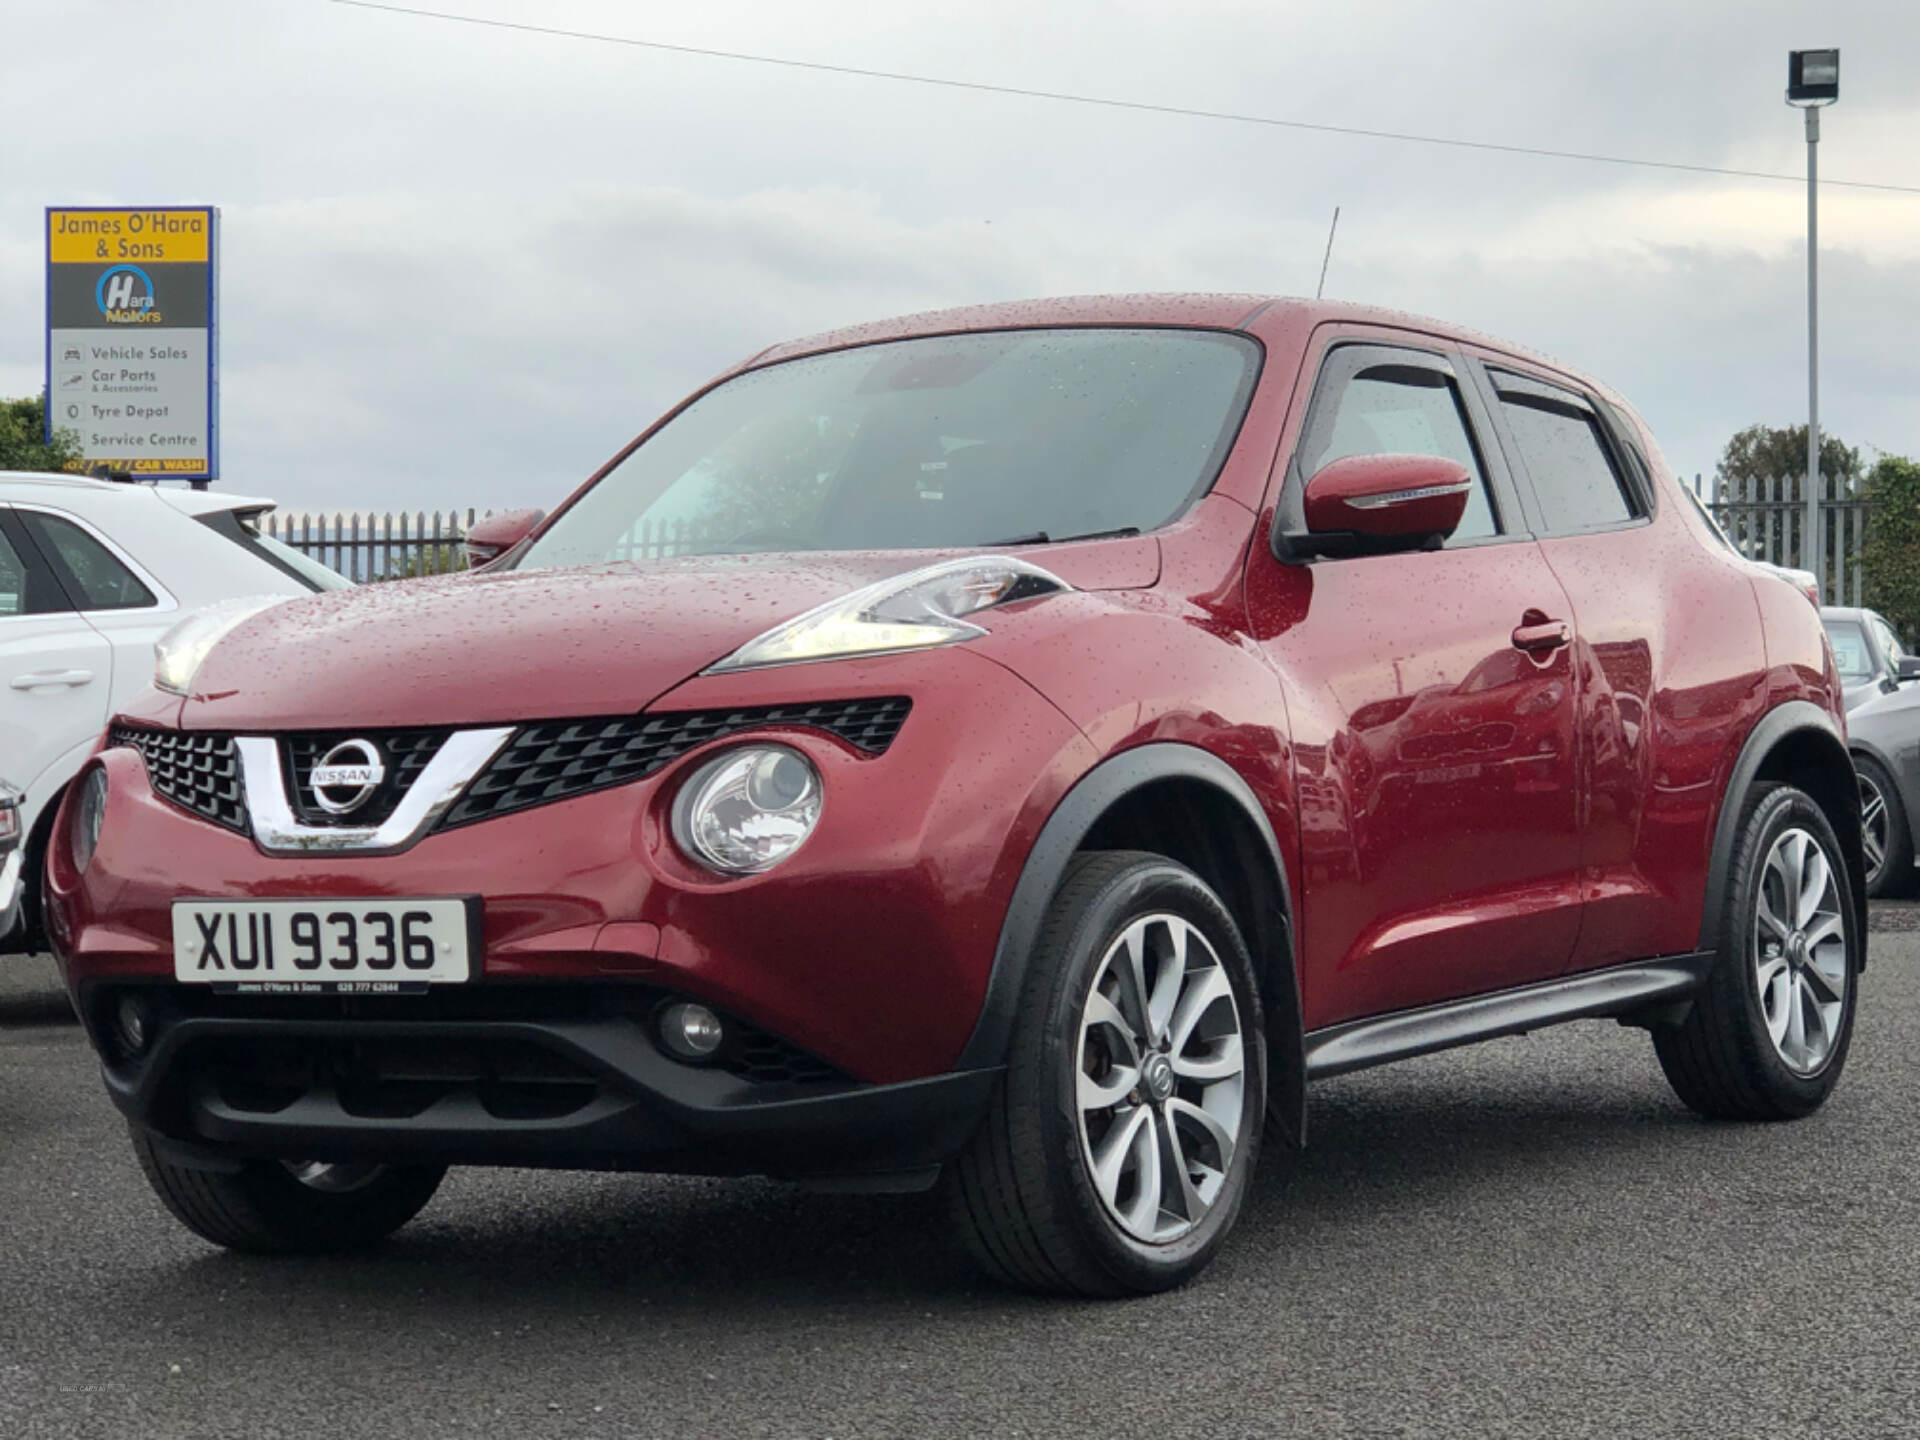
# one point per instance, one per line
(1883, 731)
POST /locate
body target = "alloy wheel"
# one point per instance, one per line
(1161, 1076)
(1800, 951)
(1874, 823)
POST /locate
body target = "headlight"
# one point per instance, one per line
(748, 809)
(178, 654)
(907, 612)
(87, 816)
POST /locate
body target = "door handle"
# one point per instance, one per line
(35, 679)
(1535, 636)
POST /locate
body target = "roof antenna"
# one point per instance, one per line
(1329, 255)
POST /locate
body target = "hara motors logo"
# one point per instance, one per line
(125, 296)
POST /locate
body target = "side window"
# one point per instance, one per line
(1379, 407)
(27, 587)
(1566, 454)
(98, 580)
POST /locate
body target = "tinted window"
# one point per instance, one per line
(947, 441)
(97, 579)
(1565, 452)
(1402, 410)
(13, 579)
(1850, 653)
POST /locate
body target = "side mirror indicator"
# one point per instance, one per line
(1369, 504)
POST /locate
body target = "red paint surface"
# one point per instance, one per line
(1456, 814)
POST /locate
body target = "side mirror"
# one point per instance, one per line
(1371, 504)
(1906, 668)
(496, 534)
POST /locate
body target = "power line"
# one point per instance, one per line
(1108, 102)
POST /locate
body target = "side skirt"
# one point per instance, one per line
(1620, 991)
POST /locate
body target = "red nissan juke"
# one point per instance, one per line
(1014, 749)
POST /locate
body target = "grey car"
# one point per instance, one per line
(1883, 731)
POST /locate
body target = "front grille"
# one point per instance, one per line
(395, 1077)
(197, 772)
(545, 761)
(558, 759)
(403, 753)
(750, 1053)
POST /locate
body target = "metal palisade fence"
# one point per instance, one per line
(1763, 518)
(397, 545)
(1766, 518)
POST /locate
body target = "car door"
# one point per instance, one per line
(1668, 654)
(55, 670)
(1431, 702)
(117, 596)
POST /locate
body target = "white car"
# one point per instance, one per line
(92, 572)
(11, 834)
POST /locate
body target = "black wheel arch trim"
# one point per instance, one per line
(1062, 837)
(1776, 726)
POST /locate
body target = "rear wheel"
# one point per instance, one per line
(1884, 836)
(289, 1207)
(1768, 1032)
(1118, 1147)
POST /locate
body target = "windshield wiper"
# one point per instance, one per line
(1040, 537)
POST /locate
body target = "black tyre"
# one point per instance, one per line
(1768, 1033)
(1884, 835)
(272, 1207)
(1118, 1148)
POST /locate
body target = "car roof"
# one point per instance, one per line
(1204, 310)
(1845, 612)
(53, 487)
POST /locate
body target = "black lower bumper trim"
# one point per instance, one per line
(589, 1093)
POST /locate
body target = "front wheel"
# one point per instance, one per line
(1768, 1032)
(289, 1207)
(1118, 1147)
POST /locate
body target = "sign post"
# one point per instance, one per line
(132, 343)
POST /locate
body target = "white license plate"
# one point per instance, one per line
(298, 946)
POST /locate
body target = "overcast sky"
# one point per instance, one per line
(461, 265)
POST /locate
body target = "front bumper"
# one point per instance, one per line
(869, 953)
(530, 1075)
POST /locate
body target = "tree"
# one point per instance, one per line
(1892, 556)
(1768, 452)
(23, 445)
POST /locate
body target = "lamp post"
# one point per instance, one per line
(1813, 82)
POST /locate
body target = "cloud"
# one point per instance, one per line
(463, 266)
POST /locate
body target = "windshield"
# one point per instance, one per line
(945, 442)
(1850, 653)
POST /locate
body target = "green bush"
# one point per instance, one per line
(23, 444)
(1892, 554)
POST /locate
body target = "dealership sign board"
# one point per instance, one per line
(131, 340)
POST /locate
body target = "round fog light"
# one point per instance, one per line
(691, 1032)
(130, 1023)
